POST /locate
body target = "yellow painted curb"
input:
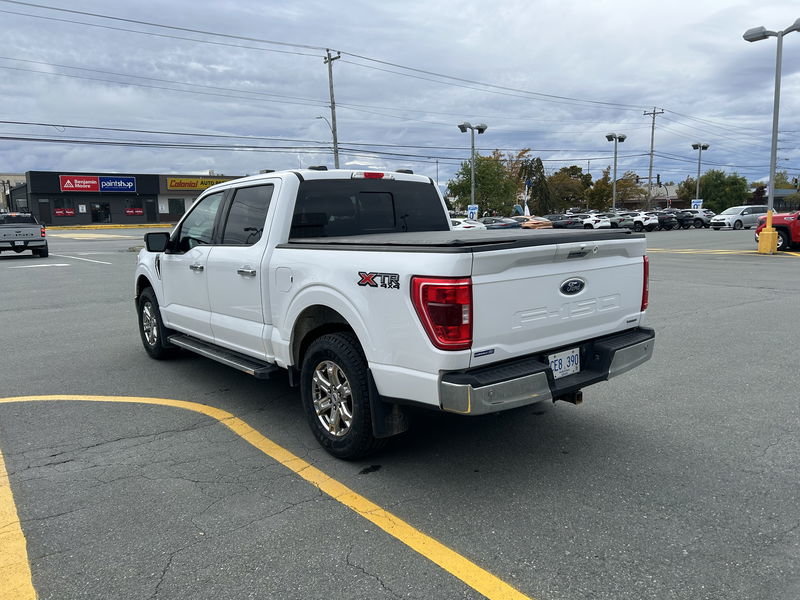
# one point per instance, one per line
(457, 565)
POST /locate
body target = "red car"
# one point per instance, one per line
(788, 227)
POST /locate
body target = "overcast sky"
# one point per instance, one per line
(555, 76)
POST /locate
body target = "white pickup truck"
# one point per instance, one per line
(20, 232)
(355, 283)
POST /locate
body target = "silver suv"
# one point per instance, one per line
(738, 217)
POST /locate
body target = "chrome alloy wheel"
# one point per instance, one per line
(333, 398)
(149, 324)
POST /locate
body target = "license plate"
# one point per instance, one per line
(16, 243)
(565, 363)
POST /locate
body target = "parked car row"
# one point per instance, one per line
(735, 217)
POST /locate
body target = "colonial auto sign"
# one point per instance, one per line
(193, 183)
(95, 183)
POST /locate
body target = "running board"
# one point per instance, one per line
(252, 366)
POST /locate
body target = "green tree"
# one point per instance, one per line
(568, 185)
(628, 191)
(598, 196)
(720, 191)
(686, 190)
(494, 189)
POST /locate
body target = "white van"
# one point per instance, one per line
(738, 217)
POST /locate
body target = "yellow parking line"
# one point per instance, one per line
(457, 565)
(713, 251)
(15, 572)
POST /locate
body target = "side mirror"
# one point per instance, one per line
(156, 241)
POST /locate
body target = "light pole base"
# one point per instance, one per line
(768, 241)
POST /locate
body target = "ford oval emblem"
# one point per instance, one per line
(572, 286)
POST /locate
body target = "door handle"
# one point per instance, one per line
(196, 267)
(246, 272)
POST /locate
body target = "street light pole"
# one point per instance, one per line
(699, 147)
(768, 239)
(472, 129)
(616, 138)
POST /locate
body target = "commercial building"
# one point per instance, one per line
(70, 198)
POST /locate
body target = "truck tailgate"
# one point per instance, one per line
(540, 298)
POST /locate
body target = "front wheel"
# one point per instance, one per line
(698, 223)
(335, 392)
(737, 225)
(638, 226)
(151, 327)
(588, 226)
(783, 240)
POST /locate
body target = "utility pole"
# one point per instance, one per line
(652, 142)
(329, 61)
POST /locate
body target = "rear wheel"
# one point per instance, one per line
(151, 327)
(698, 223)
(336, 396)
(41, 252)
(637, 226)
(588, 226)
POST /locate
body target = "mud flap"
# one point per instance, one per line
(388, 419)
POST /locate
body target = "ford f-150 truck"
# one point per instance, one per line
(355, 283)
(20, 232)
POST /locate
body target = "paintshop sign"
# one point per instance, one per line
(95, 183)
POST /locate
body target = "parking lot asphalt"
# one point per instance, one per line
(677, 480)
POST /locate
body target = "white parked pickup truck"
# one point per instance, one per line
(355, 283)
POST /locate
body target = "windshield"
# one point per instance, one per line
(734, 210)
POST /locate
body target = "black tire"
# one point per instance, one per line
(334, 389)
(737, 225)
(41, 252)
(698, 223)
(588, 226)
(151, 328)
(650, 228)
(687, 225)
(637, 226)
(783, 240)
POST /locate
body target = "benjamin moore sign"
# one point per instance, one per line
(193, 183)
(95, 183)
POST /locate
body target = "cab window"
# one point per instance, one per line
(198, 226)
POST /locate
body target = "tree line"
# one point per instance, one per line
(505, 181)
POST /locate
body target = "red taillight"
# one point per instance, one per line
(646, 284)
(444, 306)
(368, 175)
(44, 233)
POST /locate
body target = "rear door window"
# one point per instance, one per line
(247, 215)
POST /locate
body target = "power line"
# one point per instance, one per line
(450, 78)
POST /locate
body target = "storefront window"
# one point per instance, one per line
(64, 207)
(134, 207)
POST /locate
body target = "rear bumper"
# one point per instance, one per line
(25, 244)
(529, 379)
